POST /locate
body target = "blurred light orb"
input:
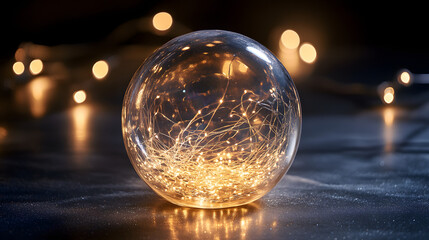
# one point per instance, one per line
(79, 96)
(18, 68)
(307, 53)
(20, 54)
(211, 119)
(36, 66)
(405, 77)
(100, 69)
(162, 21)
(3, 133)
(290, 39)
(389, 95)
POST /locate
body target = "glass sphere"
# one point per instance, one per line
(211, 119)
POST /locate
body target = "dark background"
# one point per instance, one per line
(358, 42)
(400, 26)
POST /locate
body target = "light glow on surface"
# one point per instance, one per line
(289, 39)
(307, 53)
(36, 66)
(80, 116)
(162, 21)
(39, 89)
(234, 223)
(79, 96)
(388, 116)
(18, 68)
(100, 69)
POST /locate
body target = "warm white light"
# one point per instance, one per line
(290, 39)
(79, 96)
(18, 68)
(405, 78)
(36, 66)
(389, 95)
(100, 69)
(162, 21)
(307, 52)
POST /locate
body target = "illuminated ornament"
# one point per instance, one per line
(211, 119)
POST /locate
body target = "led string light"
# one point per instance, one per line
(160, 23)
(225, 169)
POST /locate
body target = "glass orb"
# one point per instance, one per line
(211, 119)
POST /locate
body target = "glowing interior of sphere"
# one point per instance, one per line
(211, 119)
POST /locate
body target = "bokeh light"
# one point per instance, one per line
(18, 68)
(389, 95)
(100, 69)
(3, 133)
(289, 39)
(404, 78)
(307, 53)
(36, 66)
(79, 96)
(20, 54)
(162, 21)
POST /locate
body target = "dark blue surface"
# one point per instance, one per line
(361, 175)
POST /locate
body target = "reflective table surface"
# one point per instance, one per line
(357, 175)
